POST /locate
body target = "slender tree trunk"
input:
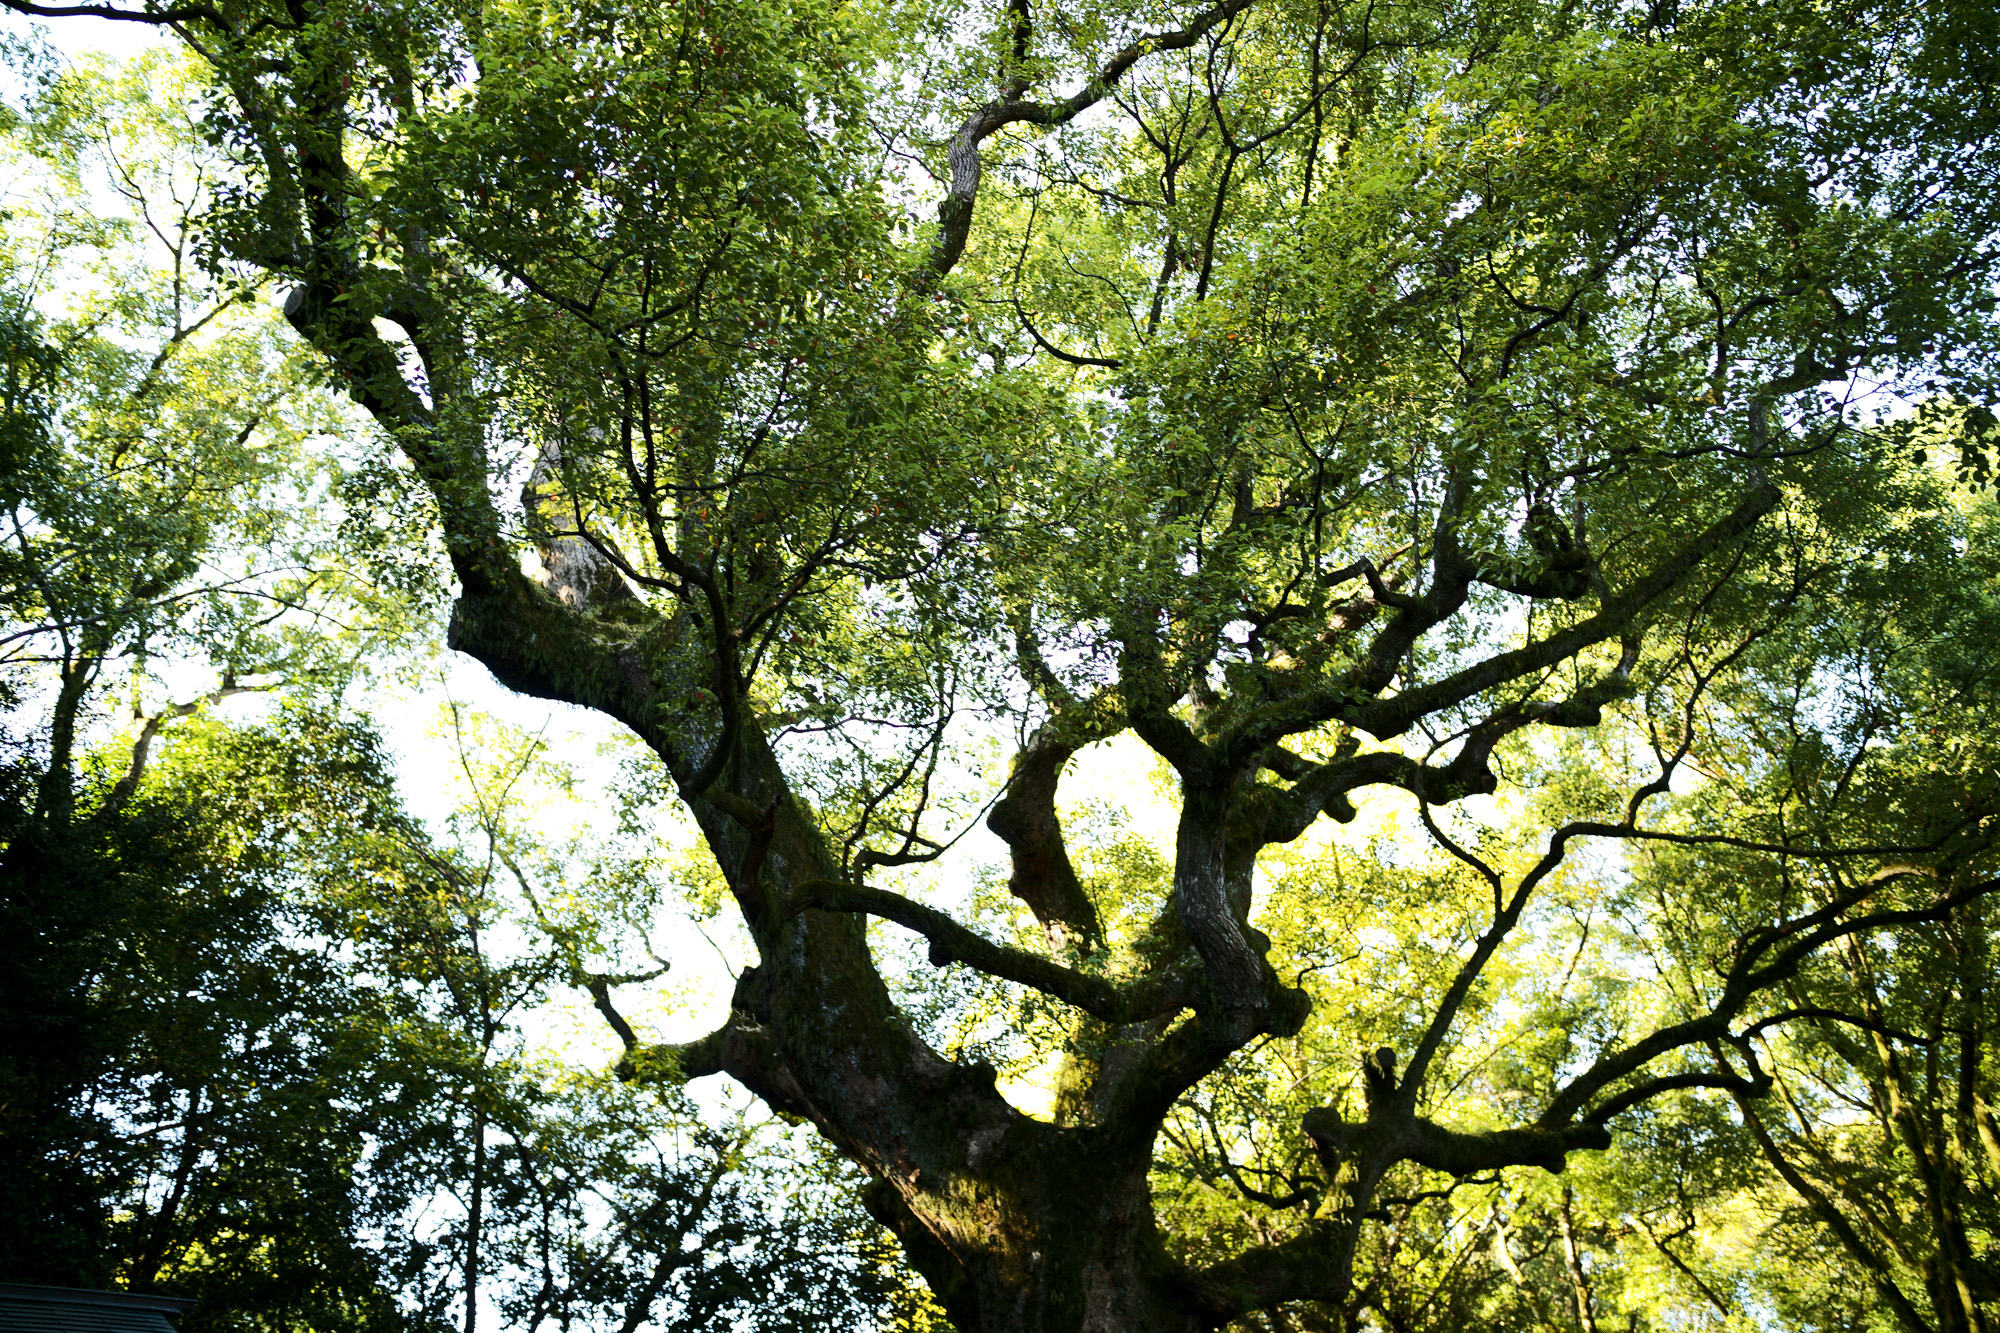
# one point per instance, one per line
(475, 1218)
(160, 1234)
(1930, 1157)
(1579, 1281)
(55, 797)
(1971, 1039)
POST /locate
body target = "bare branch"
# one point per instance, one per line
(1833, 1016)
(950, 942)
(157, 17)
(955, 213)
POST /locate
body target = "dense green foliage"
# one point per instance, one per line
(1552, 441)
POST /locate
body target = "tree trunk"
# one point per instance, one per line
(1052, 1233)
(475, 1221)
(1019, 1226)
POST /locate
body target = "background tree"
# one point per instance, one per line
(153, 484)
(1335, 398)
(1880, 1059)
(265, 1029)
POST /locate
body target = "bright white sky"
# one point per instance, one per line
(84, 36)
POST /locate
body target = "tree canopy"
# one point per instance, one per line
(1556, 432)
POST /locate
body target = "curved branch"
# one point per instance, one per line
(159, 17)
(599, 987)
(128, 782)
(1392, 716)
(1025, 819)
(1743, 983)
(1834, 1016)
(955, 213)
(1468, 773)
(1391, 1134)
(1109, 363)
(1824, 926)
(1756, 1086)
(1610, 1068)
(1317, 1262)
(950, 942)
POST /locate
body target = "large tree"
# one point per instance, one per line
(1333, 396)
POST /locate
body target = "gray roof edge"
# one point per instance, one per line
(127, 1300)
